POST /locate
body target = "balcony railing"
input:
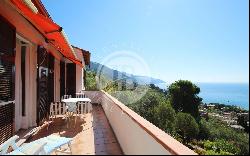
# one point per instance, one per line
(135, 134)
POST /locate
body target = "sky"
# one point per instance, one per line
(201, 41)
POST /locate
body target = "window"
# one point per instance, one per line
(7, 61)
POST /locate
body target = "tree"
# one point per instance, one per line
(242, 120)
(184, 97)
(146, 107)
(187, 126)
(135, 84)
(91, 81)
(166, 117)
(204, 132)
(156, 88)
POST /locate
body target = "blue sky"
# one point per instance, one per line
(201, 41)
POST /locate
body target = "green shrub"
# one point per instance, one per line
(221, 146)
(166, 117)
(204, 133)
(187, 126)
(211, 152)
(90, 83)
(220, 131)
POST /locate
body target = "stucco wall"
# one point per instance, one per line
(79, 79)
(79, 73)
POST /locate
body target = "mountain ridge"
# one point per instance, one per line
(115, 74)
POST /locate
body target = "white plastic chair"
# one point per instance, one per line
(80, 95)
(58, 109)
(82, 108)
(43, 146)
(66, 97)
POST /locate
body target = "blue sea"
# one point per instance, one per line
(225, 93)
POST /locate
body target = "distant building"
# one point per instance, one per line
(210, 106)
(246, 115)
(237, 127)
(230, 122)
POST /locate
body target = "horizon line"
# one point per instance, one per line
(168, 82)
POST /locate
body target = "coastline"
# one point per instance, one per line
(231, 94)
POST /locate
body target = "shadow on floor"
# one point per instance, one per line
(59, 127)
(91, 135)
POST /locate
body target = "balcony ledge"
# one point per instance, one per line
(144, 137)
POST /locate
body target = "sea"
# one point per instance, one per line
(224, 93)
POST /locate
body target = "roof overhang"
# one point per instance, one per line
(86, 55)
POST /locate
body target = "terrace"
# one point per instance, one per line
(106, 129)
(91, 135)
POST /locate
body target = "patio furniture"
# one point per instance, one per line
(58, 109)
(36, 148)
(66, 97)
(71, 103)
(43, 146)
(80, 95)
(83, 107)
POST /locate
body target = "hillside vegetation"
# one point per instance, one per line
(176, 111)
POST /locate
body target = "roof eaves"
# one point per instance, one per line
(39, 5)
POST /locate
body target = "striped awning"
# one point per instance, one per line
(50, 30)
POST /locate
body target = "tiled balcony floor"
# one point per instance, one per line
(91, 135)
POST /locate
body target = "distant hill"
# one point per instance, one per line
(114, 74)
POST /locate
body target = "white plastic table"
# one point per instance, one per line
(71, 102)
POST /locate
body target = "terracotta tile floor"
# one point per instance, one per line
(91, 135)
